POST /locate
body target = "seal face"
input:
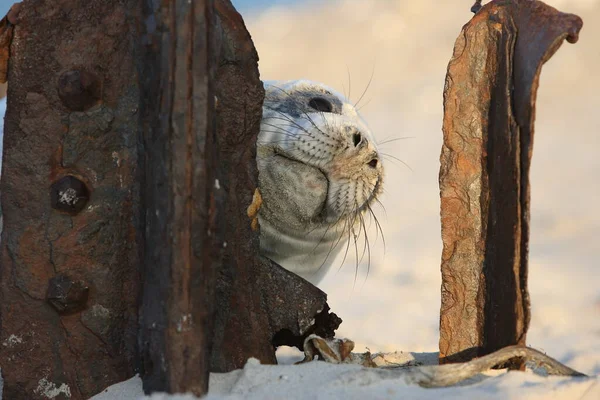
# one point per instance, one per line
(319, 172)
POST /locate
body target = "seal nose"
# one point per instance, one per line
(373, 163)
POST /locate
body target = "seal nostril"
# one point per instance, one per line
(356, 138)
(373, 163)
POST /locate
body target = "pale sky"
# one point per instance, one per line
(5, 6)
(243, 6)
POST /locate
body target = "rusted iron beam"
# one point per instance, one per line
(489, 109)
(69, 267)
(259, 304)
(181, 193)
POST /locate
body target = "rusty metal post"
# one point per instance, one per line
(489, 109)
(69, 267)
(259, 305)
(181, 193)
(202, 120)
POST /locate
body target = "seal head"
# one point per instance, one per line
(319, 172)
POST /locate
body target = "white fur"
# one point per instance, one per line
(314, 175)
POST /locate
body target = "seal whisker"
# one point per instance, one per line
(386, 141)
(290, 135)
(349, 83)
(274, 125)
(382, 207)
(397, 159)
(346, 228)
(297, 125)
(364, 105)
(367, 246)
(287, 133)
(363, 226)
(356, 252)
(292, 122)
(378, 228)
(346, 251)
(366, 88)
(306, 116)
(334, 245)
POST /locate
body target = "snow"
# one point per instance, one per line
(408, 45)
(128, 390)
(320, 380)
(50, 390)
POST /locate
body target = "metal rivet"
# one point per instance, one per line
(78, 90)
(69, 194)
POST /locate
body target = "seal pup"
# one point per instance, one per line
(319, 173)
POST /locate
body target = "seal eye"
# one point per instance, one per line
(356, 139)
(320, 104)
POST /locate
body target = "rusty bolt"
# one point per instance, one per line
(78, 90)
(67, 295)
(69, 194)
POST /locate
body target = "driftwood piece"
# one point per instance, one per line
(489, 109)
(259, 304)
(339, 351)
(448, 375)
(183, 205)
(69, 267)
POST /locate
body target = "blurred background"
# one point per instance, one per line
(406, 46)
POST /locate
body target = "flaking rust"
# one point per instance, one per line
(489, 109)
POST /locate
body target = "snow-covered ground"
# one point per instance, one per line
(319, 380)
(408, 45)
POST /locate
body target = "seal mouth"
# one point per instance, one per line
(323, 212)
